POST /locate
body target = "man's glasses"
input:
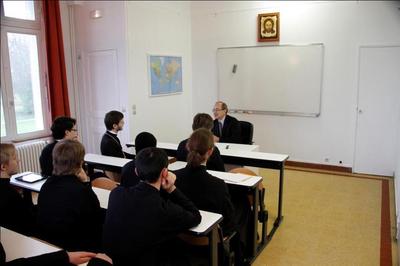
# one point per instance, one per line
(217, 110)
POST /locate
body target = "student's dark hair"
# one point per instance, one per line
(198, 144)
(144, 140)
(150, 162)
(202, 120)
(60, 124)
(111, 118)
(67, 157)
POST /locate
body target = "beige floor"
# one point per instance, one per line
(328, 220)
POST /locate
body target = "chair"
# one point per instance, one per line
(228, 257)
(247, 129)
(104, 183)
(262, 212)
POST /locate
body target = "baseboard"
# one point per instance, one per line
(327, 167)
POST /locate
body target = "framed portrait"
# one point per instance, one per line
(268, 27)
(165, 75)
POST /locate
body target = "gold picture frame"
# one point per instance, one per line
(268, 27)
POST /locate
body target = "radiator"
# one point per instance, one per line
(29, 154)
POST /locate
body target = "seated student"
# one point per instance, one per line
(210, 193)
(226, 128)
(16, 212)
(215, 162)
(58, 258)
(69, 213)
(110, 144)
(141, 224)
(128, 174)
(63, 128)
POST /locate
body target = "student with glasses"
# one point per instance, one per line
(63, 128)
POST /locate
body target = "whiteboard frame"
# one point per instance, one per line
(242, 111)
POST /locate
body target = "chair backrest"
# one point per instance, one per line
(104, 183)
(247, 132)
(242, 170)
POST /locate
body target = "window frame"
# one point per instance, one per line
(36, 28)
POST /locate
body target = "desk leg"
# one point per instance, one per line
(278, 219)
(280, 194)
(213, 246)
(256, 200)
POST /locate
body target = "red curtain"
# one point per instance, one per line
(58, 88)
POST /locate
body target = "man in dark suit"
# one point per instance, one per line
(110, 143)
(140, 223)
(226, 128)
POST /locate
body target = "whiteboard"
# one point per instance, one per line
(282, 79)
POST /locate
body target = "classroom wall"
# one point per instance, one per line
(341, 26)
(159, 28)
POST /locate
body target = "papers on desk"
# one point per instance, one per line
(231, 177)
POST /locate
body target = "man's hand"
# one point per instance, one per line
(80, 257)
(82, 176)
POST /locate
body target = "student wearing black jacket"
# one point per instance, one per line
(69, 213)
(202, 120)
(208, 192)
(129, 177)
(16, 210)
(141, 225)
(110, 144)
(63, 128)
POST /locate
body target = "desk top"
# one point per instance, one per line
(31, 186)
(20, 246)
(208, 219)
(234, 150)
(229, 178)
(106, 160)
(237, 147)
(220, 145)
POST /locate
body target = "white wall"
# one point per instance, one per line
(341, 26)
(159, 28)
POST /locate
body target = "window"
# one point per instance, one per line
(24, 106)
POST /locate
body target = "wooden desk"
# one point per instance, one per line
(250, 182)
(19, 246)
(108, 163)
(171, 148)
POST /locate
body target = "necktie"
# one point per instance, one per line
(220, 129)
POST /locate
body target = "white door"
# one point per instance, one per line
(101, 67)
(378, 119)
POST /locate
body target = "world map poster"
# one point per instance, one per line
(165, 75)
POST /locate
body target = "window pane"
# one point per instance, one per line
(19, 9)
(25, 81)
(2, 120)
